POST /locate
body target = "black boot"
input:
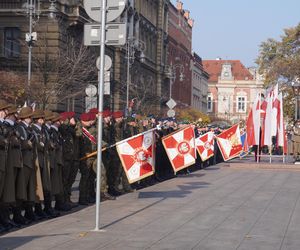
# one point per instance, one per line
(49, 210)
(60, 206)
(5, 220)
(38, 210)
(106, 196)
(18, 217)
(2, 229)
(29, 214)
(71, 203)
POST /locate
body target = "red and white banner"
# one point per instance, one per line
(253, 123)
(205, 145)
(137, 155)
(180, 148)
(281, 135)
(229, 142)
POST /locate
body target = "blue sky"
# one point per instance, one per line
(234, 29)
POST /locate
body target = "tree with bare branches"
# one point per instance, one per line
(60, 76)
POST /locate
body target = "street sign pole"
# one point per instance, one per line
(100, 117)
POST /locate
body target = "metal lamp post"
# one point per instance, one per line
(132, 46)
(171, 74)
(31, 36)
(296, 89)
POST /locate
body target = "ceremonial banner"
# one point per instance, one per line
(245, 147)
(230, 143)
(253, 123)
(138, 156)
(205, 145)
(180, 148)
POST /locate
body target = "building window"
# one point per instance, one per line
(11, 42)
(209, 103)
(241, 104)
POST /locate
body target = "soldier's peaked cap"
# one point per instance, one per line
(25, 112)
(12, 110)
(48, 115)
(56, 117)
(38, 113)
(4, 105)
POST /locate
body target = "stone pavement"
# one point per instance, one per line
(215, 208)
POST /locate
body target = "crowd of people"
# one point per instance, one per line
(41, 153)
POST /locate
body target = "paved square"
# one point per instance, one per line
(215, 208)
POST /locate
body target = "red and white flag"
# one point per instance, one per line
(270, 120)
(229, 142)
(281, 135)
(253, 123)
(180, 148)
(137, 155)
(205, 145)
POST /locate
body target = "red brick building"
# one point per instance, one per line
(180, 53)
(232, 88)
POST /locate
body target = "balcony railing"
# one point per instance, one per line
(6, 5)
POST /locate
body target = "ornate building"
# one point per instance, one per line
(199, 85)
(232, 88)
(54, 35)
(147, 34)
(180, 53)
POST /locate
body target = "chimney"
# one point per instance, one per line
(187, 14)
(179, 5)
(191, 22)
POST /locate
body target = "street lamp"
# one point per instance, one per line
(171, 74)
(296, 88)
(34, 11)
(132, 46)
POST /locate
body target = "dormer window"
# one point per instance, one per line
(226, 73)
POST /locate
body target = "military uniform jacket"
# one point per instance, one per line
(57, 144)
(26, 138)
(3, 147)
(14, 148)
(40, 142)
(68, 141)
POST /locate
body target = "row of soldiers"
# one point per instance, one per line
(41, 153)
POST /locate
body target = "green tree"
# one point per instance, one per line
(279, 62)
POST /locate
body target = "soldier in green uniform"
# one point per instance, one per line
(104, 168)
(296, 140)
(57, 162)
(116, 169)
(38, 117)
(27, 139)
(49, 148)
(4, 216)
(85, 148)
(70, 167)
(14, 190)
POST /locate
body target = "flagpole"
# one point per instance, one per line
(259, 106)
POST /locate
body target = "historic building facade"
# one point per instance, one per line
(199, 85)
(50, 44)
(147, 31)
(147, 22)
(232, 88)
(180, 27)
